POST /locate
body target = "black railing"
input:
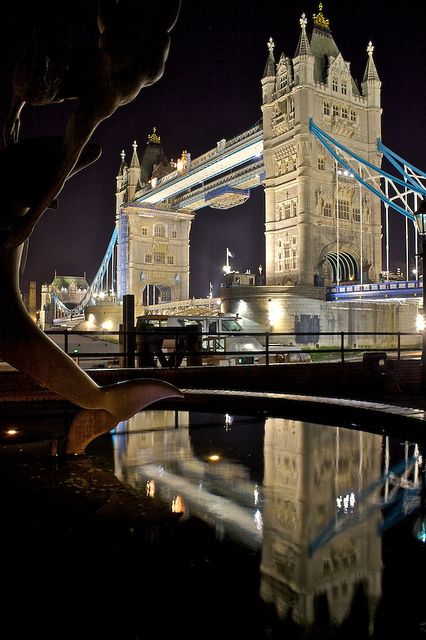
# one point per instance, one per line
(170, 347)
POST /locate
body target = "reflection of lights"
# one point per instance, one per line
(256, 495)
(178, 505)
(346, 502)
(12, 432)
(420, 322)
(214, 458)
(228, 420)
(91, 319)
(150, 488)
(258, 520)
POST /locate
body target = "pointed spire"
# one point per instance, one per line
(134, 164)
(303, 47)
(270, 63)
(370, 69)
(122, 164)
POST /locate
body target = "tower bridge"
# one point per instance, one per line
(318, 155)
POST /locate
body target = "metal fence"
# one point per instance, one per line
(172, 348)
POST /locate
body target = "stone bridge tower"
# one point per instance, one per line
(153, 241)
(316, 214)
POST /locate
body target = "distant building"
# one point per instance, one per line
(69, 290)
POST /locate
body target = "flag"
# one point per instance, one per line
(229, 254)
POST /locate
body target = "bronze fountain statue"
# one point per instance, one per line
(101, 53)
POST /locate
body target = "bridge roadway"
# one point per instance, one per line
(240, 158)
(379, 291)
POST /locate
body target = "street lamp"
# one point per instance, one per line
(420, 216)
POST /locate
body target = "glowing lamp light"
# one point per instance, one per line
(242, 308)
(420, 322)
(214, 458)
(91, 319)
(226, 268)
(12, 432)
(101, 295)
(107, 325)
(275, 312)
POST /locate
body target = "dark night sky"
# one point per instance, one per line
(211, 90)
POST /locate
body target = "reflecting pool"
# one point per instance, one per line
(287, 527)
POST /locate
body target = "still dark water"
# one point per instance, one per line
(286, 529)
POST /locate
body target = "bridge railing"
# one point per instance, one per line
(389, 285)
(169, 347)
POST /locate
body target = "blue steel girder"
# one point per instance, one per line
(349, 160)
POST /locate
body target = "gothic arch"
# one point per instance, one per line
(341, 265)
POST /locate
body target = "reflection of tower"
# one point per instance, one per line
(313, 474)
(148, 437)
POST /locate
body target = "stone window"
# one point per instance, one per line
(174, 234)
(148, 258)
(170, 260)
(327, 210)
(334, 85)
(291, 105)
(144, 231)
(159, 257)
(356, 215)
(353, 116)
(287, 260)
(344, 87)
(294, 259)
(343, 209)
(344, 112)
(287, 210)
(159, 231)
(321, 164)
(326, 108)
(335, 110)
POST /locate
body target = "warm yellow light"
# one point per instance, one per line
(178, 505)
(214, 458)
(150, 488)
(420, 322)
(107, 325)
(91, 319)
(101, 295)
(242, 307)
(275, 311)
(12, 432)
(226, 268)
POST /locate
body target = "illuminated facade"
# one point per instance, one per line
(153, 240)
(316, 216)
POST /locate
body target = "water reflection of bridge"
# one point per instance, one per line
(313, 476)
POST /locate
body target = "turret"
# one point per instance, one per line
(134, 173)
(268, 80)
(303, 61)
(371, 84)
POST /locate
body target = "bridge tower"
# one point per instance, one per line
(153, 240)
(319, 226)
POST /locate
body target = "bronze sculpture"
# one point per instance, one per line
(101, 53)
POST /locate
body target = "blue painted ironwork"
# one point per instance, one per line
(390, 289)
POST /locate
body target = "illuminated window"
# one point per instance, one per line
(321, 164)
(159, 231)
(326, 109)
